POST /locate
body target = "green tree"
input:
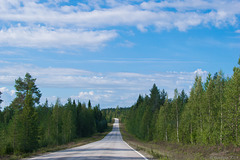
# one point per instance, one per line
(134, 117)
(162, 124)
(154, 103)
(29, 129)
(176, 103)
(79, 120)
(89, 104)
(88, 125)
(154, 100)
(0, 98)
(198, 108)
(211, 114)
(210, 120)
(69, 121)
(101, 122)
(56, 128)
(67, 126)
(232, 106)
(163, 97)
(191, 114)
(145, 125)
(44, 122)
(187, 124)
(25, 127)
(179, 101)
(27, 86)
(219, 101)
(117, 112)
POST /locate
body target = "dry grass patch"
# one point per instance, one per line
(169, 150)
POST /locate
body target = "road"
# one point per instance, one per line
(111, 147)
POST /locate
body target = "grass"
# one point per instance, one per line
(170, 150)
(75, 143)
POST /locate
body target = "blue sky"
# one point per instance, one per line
(110, 51)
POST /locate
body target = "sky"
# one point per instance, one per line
(110, 51)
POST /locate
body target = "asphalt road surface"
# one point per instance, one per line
(110, 147)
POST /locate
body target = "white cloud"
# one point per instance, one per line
(200, 72)
(6, 90)
(3, 62)
(96, 98)
(50, 24)
(237, 31)
(42, 37)
(146, 13)
(107, 98)
(127, 44)
(104, 88)
(69, 77)
(7, 96)
(84, 94)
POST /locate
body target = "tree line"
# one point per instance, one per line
(26, 125)
(210, 115)
(118, 112)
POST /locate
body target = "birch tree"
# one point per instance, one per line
(232, 106)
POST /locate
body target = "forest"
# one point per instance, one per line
(210, 115)
(118, 112)
(26, 125)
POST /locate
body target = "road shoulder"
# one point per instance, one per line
(168, 150)
(51, 149)
(130, 140)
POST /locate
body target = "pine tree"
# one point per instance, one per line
(79, 120)
(56, 128)
(146, 124)
(89, 104)
(0, 98)
(154, 104)
(69, 121)
(44, 122)
(24, 122)
(29, 129)
(67, 126)
(163, 97)
(154, 98)
(209, 78)
(209, 103)
(2, 137)
(24, 87)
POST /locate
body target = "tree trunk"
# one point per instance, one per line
(14, 133)
(221, 126)
(191, 135)
(166, 135)
(209, 120)
(236, 129)
(177, 123)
